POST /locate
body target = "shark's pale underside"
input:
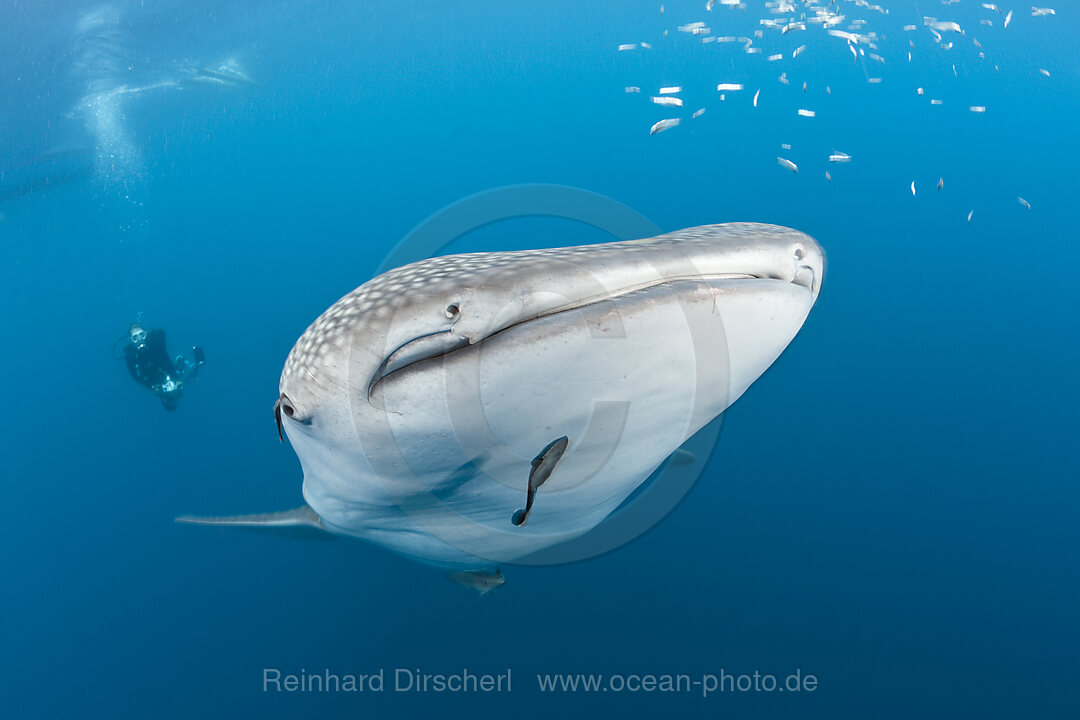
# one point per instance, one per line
(439, 406)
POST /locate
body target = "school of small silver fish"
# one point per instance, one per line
(817, 27)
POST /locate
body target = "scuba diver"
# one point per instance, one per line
(150, 365)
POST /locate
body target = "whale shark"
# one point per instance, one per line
(439, 405)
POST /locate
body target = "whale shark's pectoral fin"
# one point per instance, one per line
(682, 457)
(542, 467)
(482, 581)
(298, 522)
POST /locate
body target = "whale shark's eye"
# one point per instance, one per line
(452, 310)
(284, 406)
(799, 254)
(277, 418)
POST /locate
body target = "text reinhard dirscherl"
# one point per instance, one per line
(414, 680)
(400, 680)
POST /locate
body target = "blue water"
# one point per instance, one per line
(890, 508)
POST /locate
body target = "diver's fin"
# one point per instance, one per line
(302, 520)
(542, 467)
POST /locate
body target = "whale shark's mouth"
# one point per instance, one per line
(444, 342)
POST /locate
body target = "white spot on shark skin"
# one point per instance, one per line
(419, 433)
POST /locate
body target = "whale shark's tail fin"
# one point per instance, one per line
(298, 522)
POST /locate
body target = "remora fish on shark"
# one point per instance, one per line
(426, 404)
